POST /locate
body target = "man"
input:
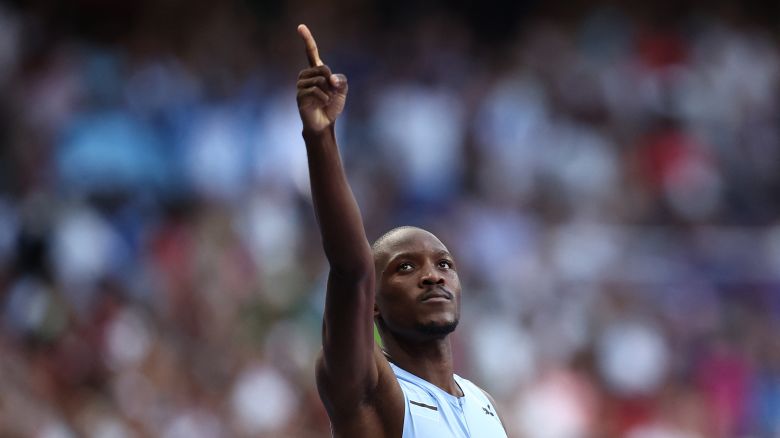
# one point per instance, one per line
(407, 283)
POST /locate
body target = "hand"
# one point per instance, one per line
(321, 94)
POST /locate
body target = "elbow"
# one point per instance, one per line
(358, 265)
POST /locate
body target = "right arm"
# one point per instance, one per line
(347, 370)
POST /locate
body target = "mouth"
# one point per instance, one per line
(435, 295)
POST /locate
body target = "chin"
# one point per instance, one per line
(437, 328)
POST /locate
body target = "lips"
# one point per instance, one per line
(436, 294)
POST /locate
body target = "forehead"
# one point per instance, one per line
(409, 240)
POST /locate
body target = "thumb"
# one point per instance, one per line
(338, 82)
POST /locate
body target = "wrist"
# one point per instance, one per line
(314, 134)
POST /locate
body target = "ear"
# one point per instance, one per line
(376, 311)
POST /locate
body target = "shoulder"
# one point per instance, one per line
(495, 406)
(478, 391)
(489, 397)
(471, 387)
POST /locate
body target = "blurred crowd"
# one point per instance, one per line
(608, 180)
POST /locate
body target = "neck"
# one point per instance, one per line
(430, 359)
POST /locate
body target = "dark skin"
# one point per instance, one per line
(408, 284)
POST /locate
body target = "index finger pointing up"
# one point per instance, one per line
(311, 46)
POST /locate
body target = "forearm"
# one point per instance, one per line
(341, 226)
(346, 368)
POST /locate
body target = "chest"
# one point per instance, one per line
(429, 414)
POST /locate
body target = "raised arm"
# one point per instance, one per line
(347, 369)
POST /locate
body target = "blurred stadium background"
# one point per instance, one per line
(607, 175)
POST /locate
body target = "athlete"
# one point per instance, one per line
(406, 282)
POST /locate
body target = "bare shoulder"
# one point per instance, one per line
(378, 412)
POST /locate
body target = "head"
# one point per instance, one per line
(417, 285)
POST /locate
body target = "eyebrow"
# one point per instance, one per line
(411, 255)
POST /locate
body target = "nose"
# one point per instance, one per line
(431, 277)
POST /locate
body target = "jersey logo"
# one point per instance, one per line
(489, 411)
(423, 405)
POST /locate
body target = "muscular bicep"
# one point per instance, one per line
(347, 370)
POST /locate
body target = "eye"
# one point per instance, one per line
(405, 267)
(445, 264)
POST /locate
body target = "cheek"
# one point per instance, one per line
(396, 299)
(389, 297)
(454, 280)
(455, 284)
(381, 299)
(399, 286)
(396, 302)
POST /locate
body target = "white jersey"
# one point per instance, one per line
(431, 412)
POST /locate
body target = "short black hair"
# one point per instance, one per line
(383, 237)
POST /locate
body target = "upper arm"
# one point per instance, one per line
(347, 369)
(377, 412)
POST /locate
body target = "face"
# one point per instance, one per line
(418, 290)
